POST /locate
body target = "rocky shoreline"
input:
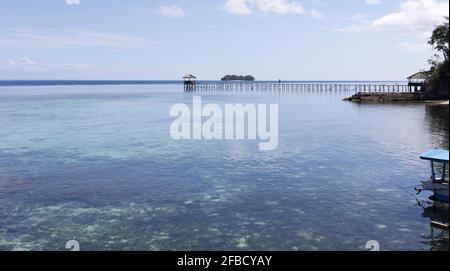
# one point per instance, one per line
(362, 97)
(383, 97)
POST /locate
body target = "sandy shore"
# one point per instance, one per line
(437, 102)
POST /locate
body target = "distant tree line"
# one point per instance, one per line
(238, 78)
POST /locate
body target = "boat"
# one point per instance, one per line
(440, 191)
(438, 182)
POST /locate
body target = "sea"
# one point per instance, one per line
(94, 162)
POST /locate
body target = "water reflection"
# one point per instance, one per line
(437, 238)
(438, 119)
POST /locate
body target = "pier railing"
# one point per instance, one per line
(299, 86)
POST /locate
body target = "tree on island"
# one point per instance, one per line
(437, 83)
(238, 78)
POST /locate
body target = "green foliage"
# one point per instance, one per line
(238, 78)
(437, 83)
(439, 38)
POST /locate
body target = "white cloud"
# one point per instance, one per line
(172, 11)
(24, 61)
(73, 2)
(316, 14)
(373, 2)
(237, 7)
(245, 7)
(280, 6)
(417, 17)
(27, 65)
(69, 38)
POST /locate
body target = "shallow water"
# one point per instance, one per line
(97, 164)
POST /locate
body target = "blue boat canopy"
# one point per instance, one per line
(436, 155)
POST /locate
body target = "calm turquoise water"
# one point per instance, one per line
(97, 164)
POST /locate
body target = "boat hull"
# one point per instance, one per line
(440, 190)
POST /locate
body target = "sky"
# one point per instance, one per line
(164, 40)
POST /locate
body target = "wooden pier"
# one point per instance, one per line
(297, 87)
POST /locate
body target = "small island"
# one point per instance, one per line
(238, 78)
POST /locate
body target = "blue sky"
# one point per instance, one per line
(270, 39)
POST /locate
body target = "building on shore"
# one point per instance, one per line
(417, 80)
